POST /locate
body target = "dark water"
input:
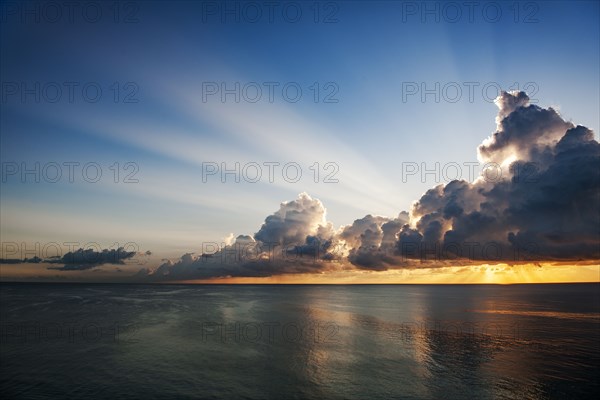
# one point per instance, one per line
(286, 342)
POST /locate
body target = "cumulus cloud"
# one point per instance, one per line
(294, 239)
(293, 222)
(543, 203)
(370, 241)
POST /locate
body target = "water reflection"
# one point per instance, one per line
(303, 341)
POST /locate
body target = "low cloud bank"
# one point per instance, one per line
(544, 205)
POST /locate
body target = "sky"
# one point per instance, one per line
(300, 141)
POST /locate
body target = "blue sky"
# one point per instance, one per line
(364, 58)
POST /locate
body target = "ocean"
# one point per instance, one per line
(122, 341)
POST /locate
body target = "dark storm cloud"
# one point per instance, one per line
(370, 241)
(80, 259)
(32, 260)
(92, 257)
(544, 205)
(11, 261)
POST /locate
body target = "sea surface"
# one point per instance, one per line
(122, 341)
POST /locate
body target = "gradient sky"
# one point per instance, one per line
(168, 51)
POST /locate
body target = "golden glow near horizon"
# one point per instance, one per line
(543, 272)
(473, 274)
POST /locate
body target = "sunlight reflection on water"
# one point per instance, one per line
(350, 342)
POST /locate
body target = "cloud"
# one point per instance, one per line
(541, 202)
(74, 267)
(370, 241)
(292, 240)
(544, 206)
(293, 222)
(80, 259)
(92, 257)
(524, 132)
